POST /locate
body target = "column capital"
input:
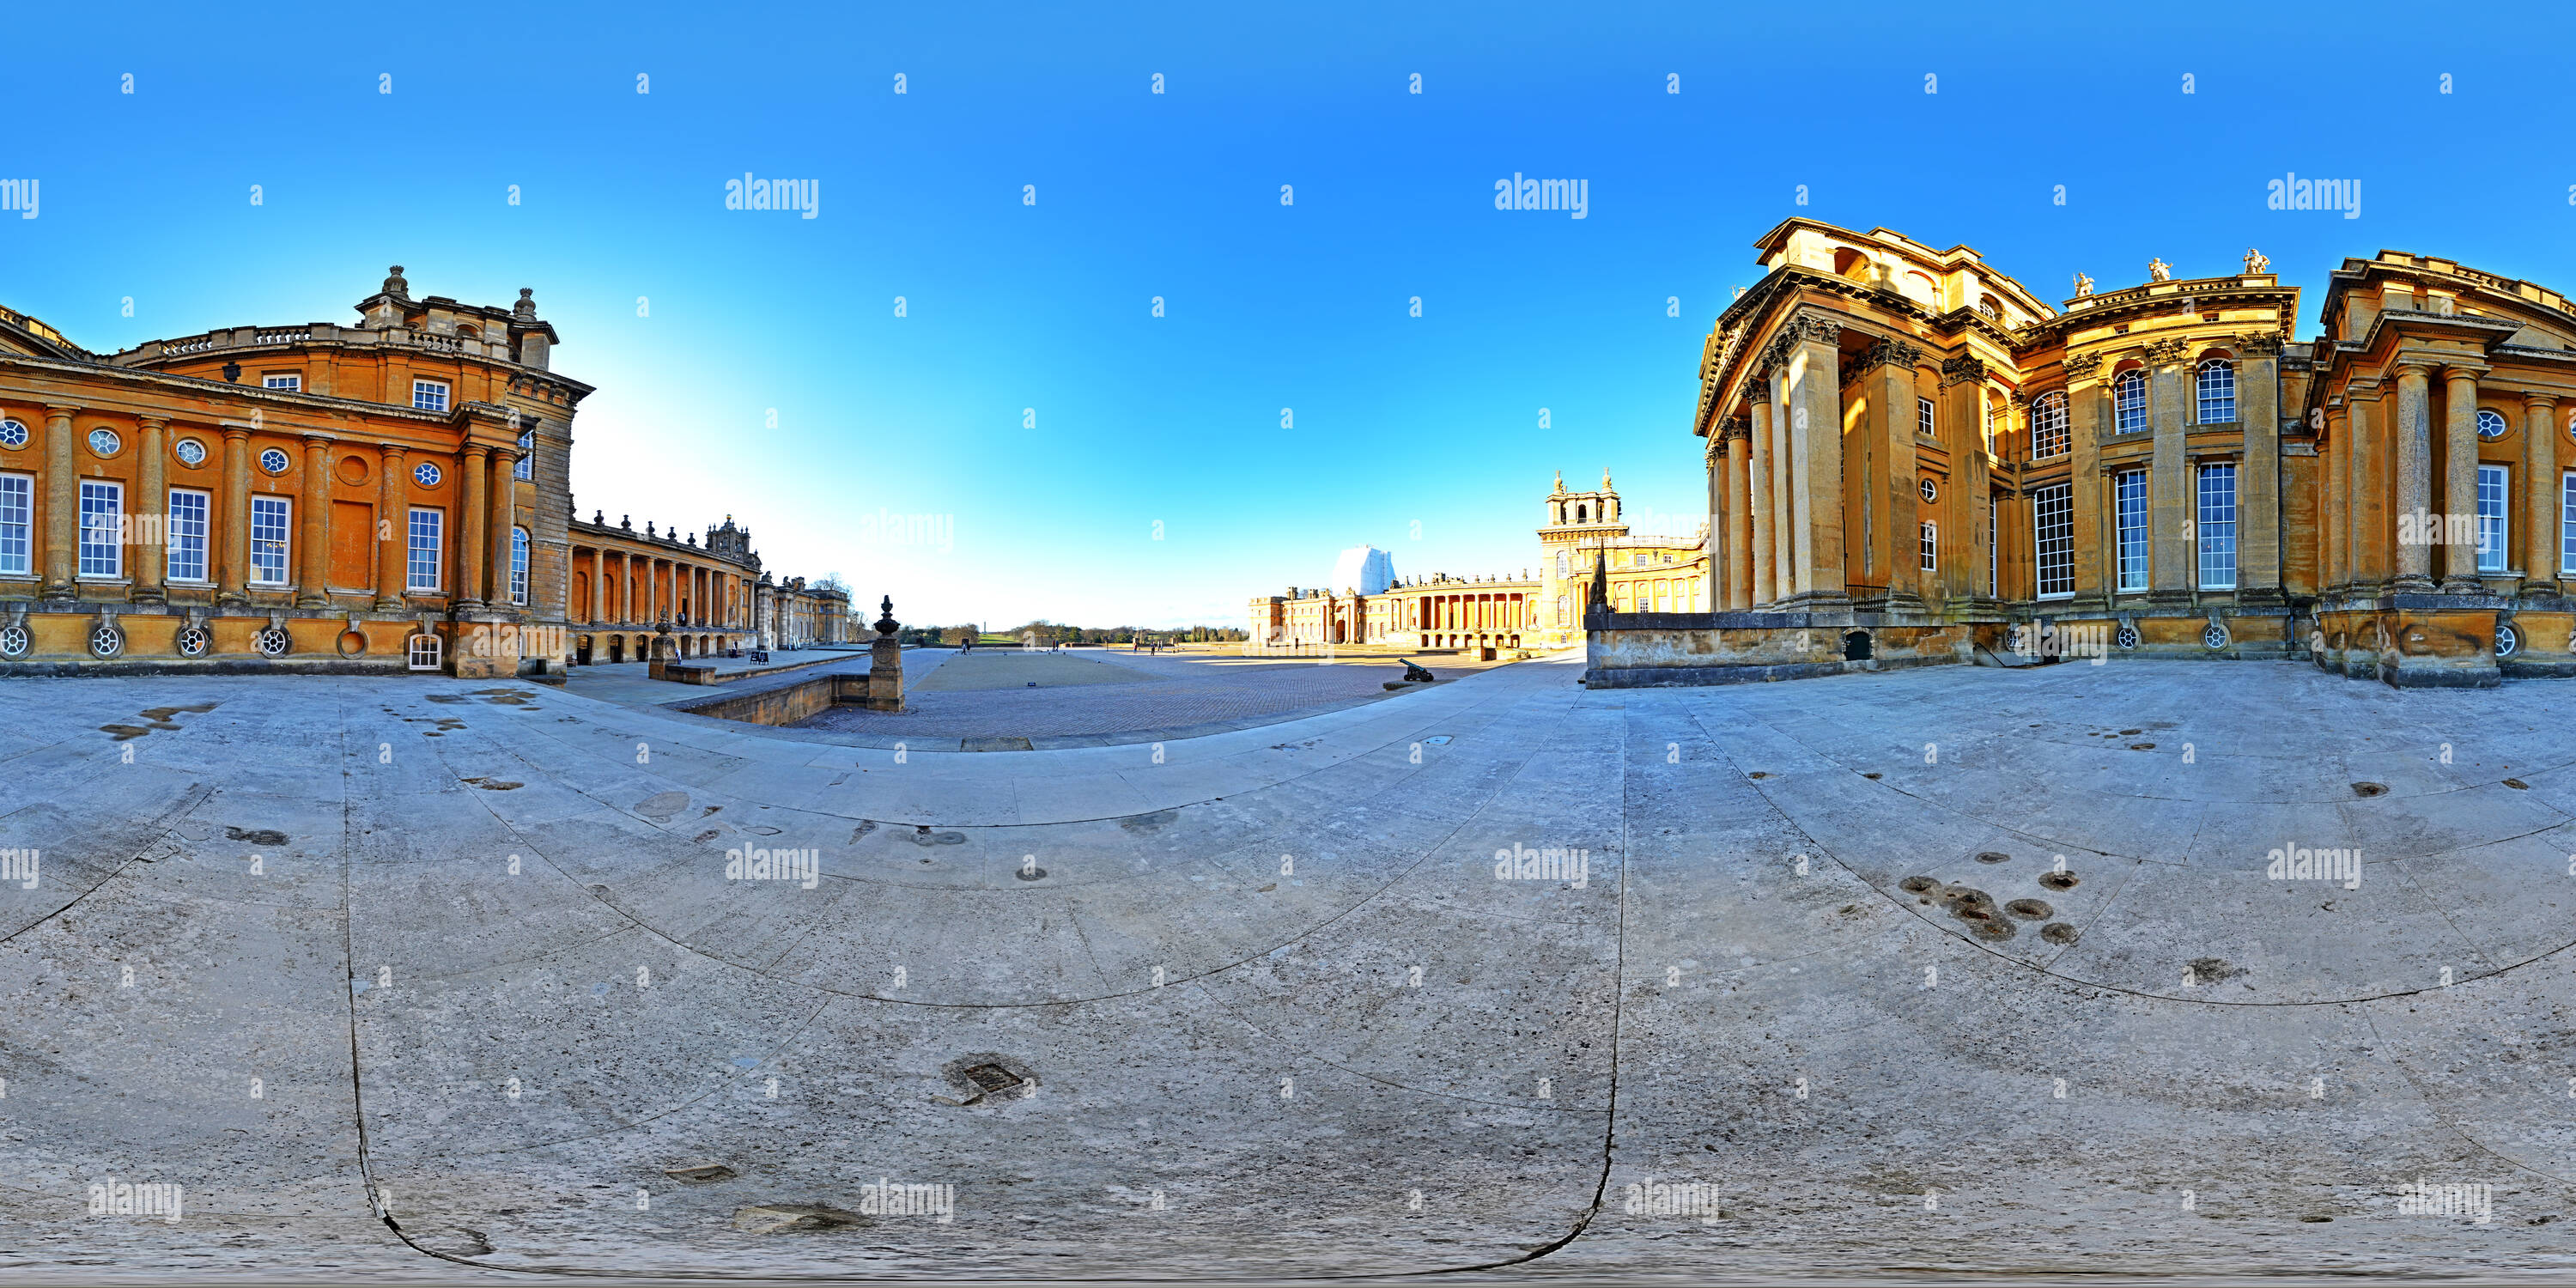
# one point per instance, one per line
(395, 450)
(2466, 369)
(62, 410)
(236, 433)
(1889, 352)
(2081, 365)
(149, 421)
(477, 451)
(1967, 370)
(315, 438)
(1813, 327)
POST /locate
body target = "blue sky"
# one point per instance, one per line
(1139, 421)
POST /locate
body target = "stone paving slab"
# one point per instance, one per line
(1264, 1006)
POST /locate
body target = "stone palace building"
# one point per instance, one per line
(1583, 533)
(387, 496)
(1912, 458)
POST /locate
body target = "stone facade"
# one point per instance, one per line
(1900, 438)
(389, 496)
(1646, 573)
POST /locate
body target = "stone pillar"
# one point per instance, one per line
(314, 569)
(2460, 480)
(1740, 536)
(1763, 503)
(1816, 462)
(2096, 543)
(2258, 475)
(393, 520)
(233, 524)
(1962, 412)
(505, 511)
(2414, 477)
(1900, 531)
(625, 587)
(2334, 506)
(598, 587)
(150, 566)
(2541, 492)
(2173, 496)
(62, 504)
(2367, 469)
(1785, 508)
(475, 541)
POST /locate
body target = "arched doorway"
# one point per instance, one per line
(581, 652)
(1856, 647)
(616, 648)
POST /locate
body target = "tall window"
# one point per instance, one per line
(2129, 491)
(518, 565)
(421, 562)
(2052, 524)
(187, 542)
(268, 540)
(2129, 402)
(2218, 527)
(2566, 525)
(1923, 417)
(102, 544)
(18, 507)
(2217, 393)
(2048, 427)
(1930, 546)
(429, 395)
(527, 466)
(1994, 559)
(2492, 485)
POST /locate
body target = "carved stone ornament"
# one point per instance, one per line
(2083, 364)
(2260, 342)
(1963, 370)
(2166, 350)
(2083, 286)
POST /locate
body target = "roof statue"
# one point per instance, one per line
(2159, 270)
(2083, 286)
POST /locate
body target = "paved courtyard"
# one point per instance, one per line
(1955, 968)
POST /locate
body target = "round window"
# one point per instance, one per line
(273, 461)
(191, 451)
(104, 442)
(2490, 424)
(427, 475)
(12, 434)
(1930, 492)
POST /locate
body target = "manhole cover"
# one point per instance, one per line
(2059, 881)
(992, 1078)
(2368, 790)
(986, 1078)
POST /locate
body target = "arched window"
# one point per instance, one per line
(2048, 426)
(527, 466)
(2129, 401)
(1852, 264)
(2217, 392)
(1582, 514)
(1560, 563)
(518, 565)
(1988, 305)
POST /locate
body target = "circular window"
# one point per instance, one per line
(2128, 637)
(14, 641)
(2508, 640)
(2214, 636)
(275, 643)
(104, 442)
(191, 452)
(193, 641)
(427, 475)
(106, 641)
(2490, 424)
(12, 434)
(1930, 492)
(273, 461)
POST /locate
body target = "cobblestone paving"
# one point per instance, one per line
(1170, 691)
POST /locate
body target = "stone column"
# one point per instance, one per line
(2173, 497)
(1901, 533)
(152, 509)
(2335, 501)
(2258, 476)
(1816, 462)
(625, 587)
(598, 588)
(2094, 550)
(475, 541)
(313, 570)
(2414, 477)
(393, 521)
(1740, 536)
(2460, 480)
(1763, 501)
(2367, 470)
(62, 504)
(1785, 508)
(505, 510)
(2541, 493)
(233, 524)
(1963, 433)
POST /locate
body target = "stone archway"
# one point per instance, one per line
(616, 648)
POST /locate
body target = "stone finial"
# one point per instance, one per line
(527, 306)
(626, 521)
(886, 624)
(1560, 484)
(2160, 271)
(599, 518)
(395, 286)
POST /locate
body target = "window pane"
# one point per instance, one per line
(2132, 402)
(187, 536)
(102, 545)
(2566, 523)
(268, 540)
(2053, 520)
(2491, 535)
(422, 565)
(1931, 545)
(2217, 393)
(518, 565)
(2131, 488)
(2218, 527)
(17, 510)
(2048, 427)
